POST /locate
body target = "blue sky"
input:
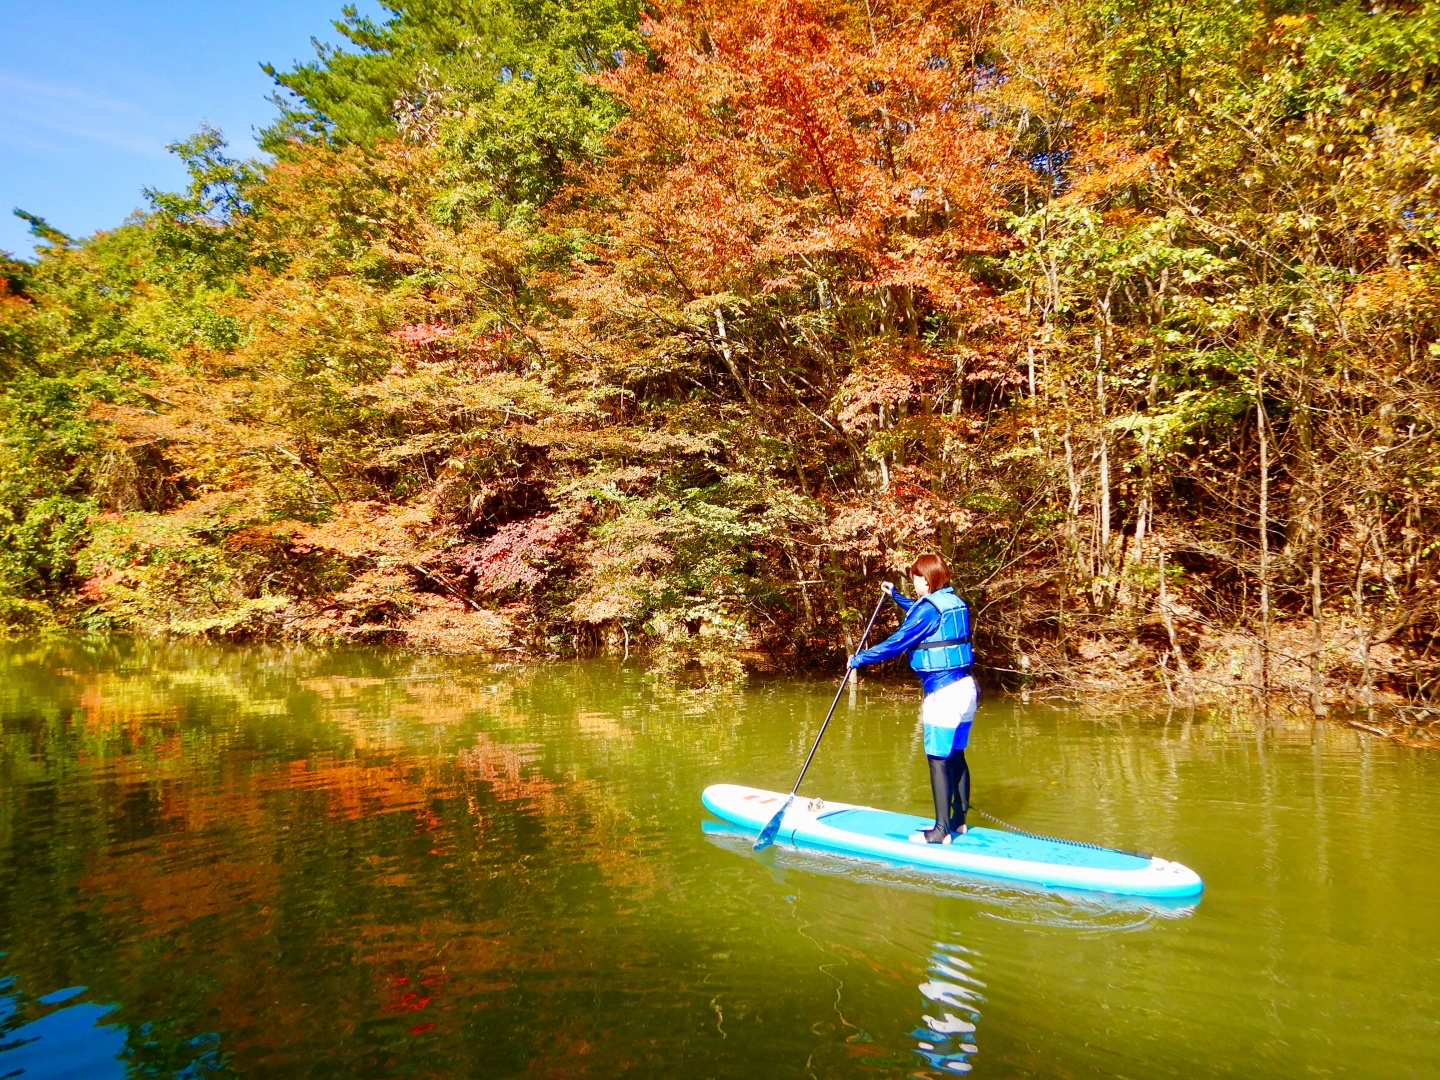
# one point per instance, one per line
(92, 91)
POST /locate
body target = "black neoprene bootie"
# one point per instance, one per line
(936, 835)
(959, 770)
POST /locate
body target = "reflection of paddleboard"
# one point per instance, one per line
(880, 834)
(1022, 901)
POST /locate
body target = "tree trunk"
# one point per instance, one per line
(1317, 636)
(1165, 613)
(1314, 523)
(729, 359)
(1072, 511)
(1262, 430)
(1362, 624)
(884, 468)
(1102, 563)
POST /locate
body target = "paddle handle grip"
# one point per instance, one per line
(838, 691)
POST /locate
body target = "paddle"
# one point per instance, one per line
(772, 828)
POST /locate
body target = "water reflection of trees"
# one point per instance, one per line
(298, 849)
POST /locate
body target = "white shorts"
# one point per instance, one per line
(947, 714)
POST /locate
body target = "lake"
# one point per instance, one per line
(286, 862)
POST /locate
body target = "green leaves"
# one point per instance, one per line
(46, 450)
(501, 86)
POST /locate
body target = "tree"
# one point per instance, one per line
(501, 84)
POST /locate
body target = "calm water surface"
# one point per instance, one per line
(257, 862)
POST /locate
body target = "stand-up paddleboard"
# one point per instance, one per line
(880, 834)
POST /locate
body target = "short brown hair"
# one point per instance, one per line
(934, 569)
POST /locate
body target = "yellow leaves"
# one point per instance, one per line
(456, 401)
(1288, 30)
(175, 427)
(569, 441)
(620, 571)
(302, 328)
(13, 309)
(328, 207)
(366, 529)
(1045, 49)
(385, 590)
(384, 604)
(443, 625)
(248, 616)
(426, 444)
(606, 602)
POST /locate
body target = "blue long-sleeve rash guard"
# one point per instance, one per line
(921, 620)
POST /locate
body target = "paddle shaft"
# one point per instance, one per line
(840, 690)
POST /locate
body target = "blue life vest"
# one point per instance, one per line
(948, 648)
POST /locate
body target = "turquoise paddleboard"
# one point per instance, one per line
(880, 834)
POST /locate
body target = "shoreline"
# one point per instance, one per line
(1129, 690)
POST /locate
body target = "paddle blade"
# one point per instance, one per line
(772, 827)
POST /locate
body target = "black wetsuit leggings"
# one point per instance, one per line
(950, 784)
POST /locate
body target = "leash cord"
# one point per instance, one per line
(1055, 839)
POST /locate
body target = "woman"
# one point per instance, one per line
(937, 629)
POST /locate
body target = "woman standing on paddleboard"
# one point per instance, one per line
(936, 633)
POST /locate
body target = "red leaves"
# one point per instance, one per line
(440, 341)
(422, 334)
(517, 554)
(869, 391)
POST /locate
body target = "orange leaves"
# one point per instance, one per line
(773, 135)
(891, 527)
(867, 392)
(12, 308)
(753, 307)
(1399, 290)
(917, 512)
(891, 376)
(370, 530)
(422, 334)
(1393, 303)
(1101, 167)
(788, 228)
(787, 232)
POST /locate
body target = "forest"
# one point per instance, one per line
(668, 330)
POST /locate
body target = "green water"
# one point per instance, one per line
(287, 863)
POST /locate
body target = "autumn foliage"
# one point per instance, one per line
(671, 331)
